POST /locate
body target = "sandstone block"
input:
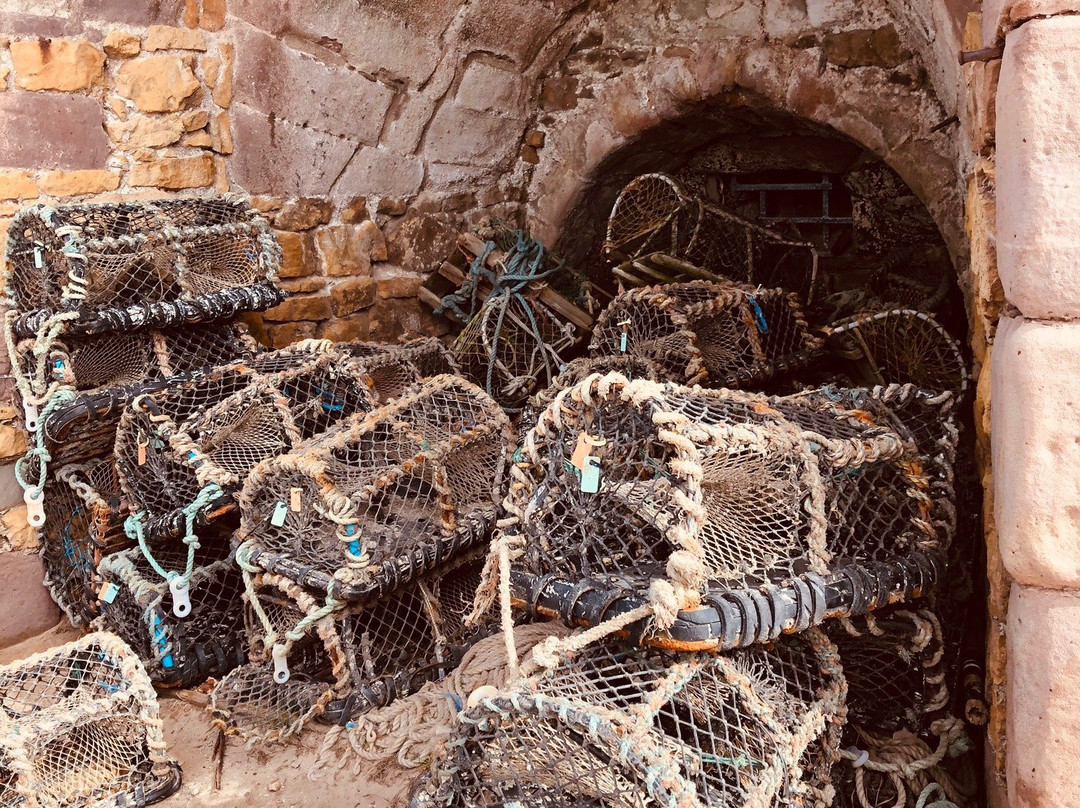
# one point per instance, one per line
(195, 119)
(75, 183)
(459, 135)
(12, 442)
(26, 608)
(487, 87)
(297, 254)
(57, 64)
(1036, 428)
(223, 84)
(355, 211)
(420, 242)
(146, 132)
(1001, 16)
(398, 286)
(121, 45)
(352, 295)
(266, 204)
(10, 490)
(878, 47)
(1043, 698)
(346, 329)
(166, 37)
(408, 319)
(157, 83)
(212, 16)
(559, 94)
(301, 285)
(197, 140)
(1038, 168)
(174, 173)
(282, 336)
(379, 172)
(300, 307)
(46, 130)
(349, 249)
(222, 134)
(253, 320)
(129, 13)
(303, 214)
(391, 207)
(18, 534)
(17, 185)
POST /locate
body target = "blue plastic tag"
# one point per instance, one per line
(622, 342)
(277, 518)
(590, 475)
(109, 592)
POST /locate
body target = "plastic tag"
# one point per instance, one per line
(30, 417)
(622, 342)
(581, 451)
(281, 664)
(35, 507)
(296, 499)
(38, 261)
(759, 316)
(277, 518)
(861, 756)
(590, 475)
(181, 602)
(142, 443)
(108, 592)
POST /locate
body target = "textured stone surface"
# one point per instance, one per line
(349, 249)
(121, 44)
(58, 64)
(346, 329)
(303, 214)
(1043, 698)
(1038, 168)
(166, 37)
(396, 286)
(284, 335)
(223, 84)
(406, 319)
(26, 608)
(152, 132)
(1000, 16)
(157, 83)
(10, 490)
(18, 534)
(355, 211)
(297, 254)
(75, 183)
(12, 445)
(488, 87)
(379, 172)
(879, 47)
(17, 185)
(460, 135)
(352, 295)
(174, 173)
(300, 307)
(42, 130)
(127, 12)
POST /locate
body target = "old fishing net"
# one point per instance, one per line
(615, 727)
(84, 522)
(653, 214)
(91, 261)
(392, 369)
(365, 507)
(775, 511)
(180, 612)
(901, 346)
(80, 727)
(701, 332)
(335, 661)
(183, 450)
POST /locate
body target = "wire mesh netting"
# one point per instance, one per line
(392, 369)
(183, 450)
(80, 727)
(715, 491)
(653, 214)
(87, 257)
(363, 508)
(84, 522)
(615, 727)
(183, 632)
(335, 661)
(722, 335)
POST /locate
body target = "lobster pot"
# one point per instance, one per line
(336, 665)
(180, 648)
(80, 727)
(392, 369)
(714, 490)
(98, 363)
(385, 496)
(721, 335)
(614, 727)
(188, 447)
(653, 214)
(93, 258)
(84, 522)
(901, 346)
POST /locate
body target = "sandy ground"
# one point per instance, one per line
(274, 776)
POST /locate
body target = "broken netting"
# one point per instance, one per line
(653, 214)
(391, 369)
(80, 727)
(361, 509)
(610, 726)
(767, 514)
(722, 335)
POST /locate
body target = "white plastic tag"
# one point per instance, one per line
(108, 592)
(281, 665)
(30, 417)
(590, 475)
(277, 518)
(35, 507)
(481, 693)
(181, 602)
(862, 756)
(38, 261)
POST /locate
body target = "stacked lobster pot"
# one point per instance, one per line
(360, 550)
(102, 299)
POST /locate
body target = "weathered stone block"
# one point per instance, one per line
(44, 130)
(302, 285)
(129, 13)
(121, 45)
(157, 83)
(282, 336)
(10, 490)
(1038, 168)
(174, 173)
(864, 47)
(75, 183)
(458, 135)
(513, 30)
(303, 214)
(349, 249)
(26, 608)
(212, 15)
(300, 307)
(278, 156)
(166, 37)
(17, 185)
(17, 531)
(379, 172)
(1036, 429)
(420, 242)
(488, 87)
(1001, 16)
(297, 255)
(1043, 698)
(222, 134)
(223, 84)
(393, 319)
(12, 444)
(352, 295)
(57, 64)
(397, 286)
(355, 211)
(346, 329)
(146, 132)
(195, 119)
(253, 320)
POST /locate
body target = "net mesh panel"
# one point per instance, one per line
(357, 658)
(653, 214)
(725, 335)
(392, 369)
(755, 489)
(902, 346)
(384, 496)
(84, 522)
(615, 727)
(135, 603)
(92, 256)
(80, 727)
(215, 428)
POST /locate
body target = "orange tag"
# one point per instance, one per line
(142, 442)
(296, 499)
(581, 451)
